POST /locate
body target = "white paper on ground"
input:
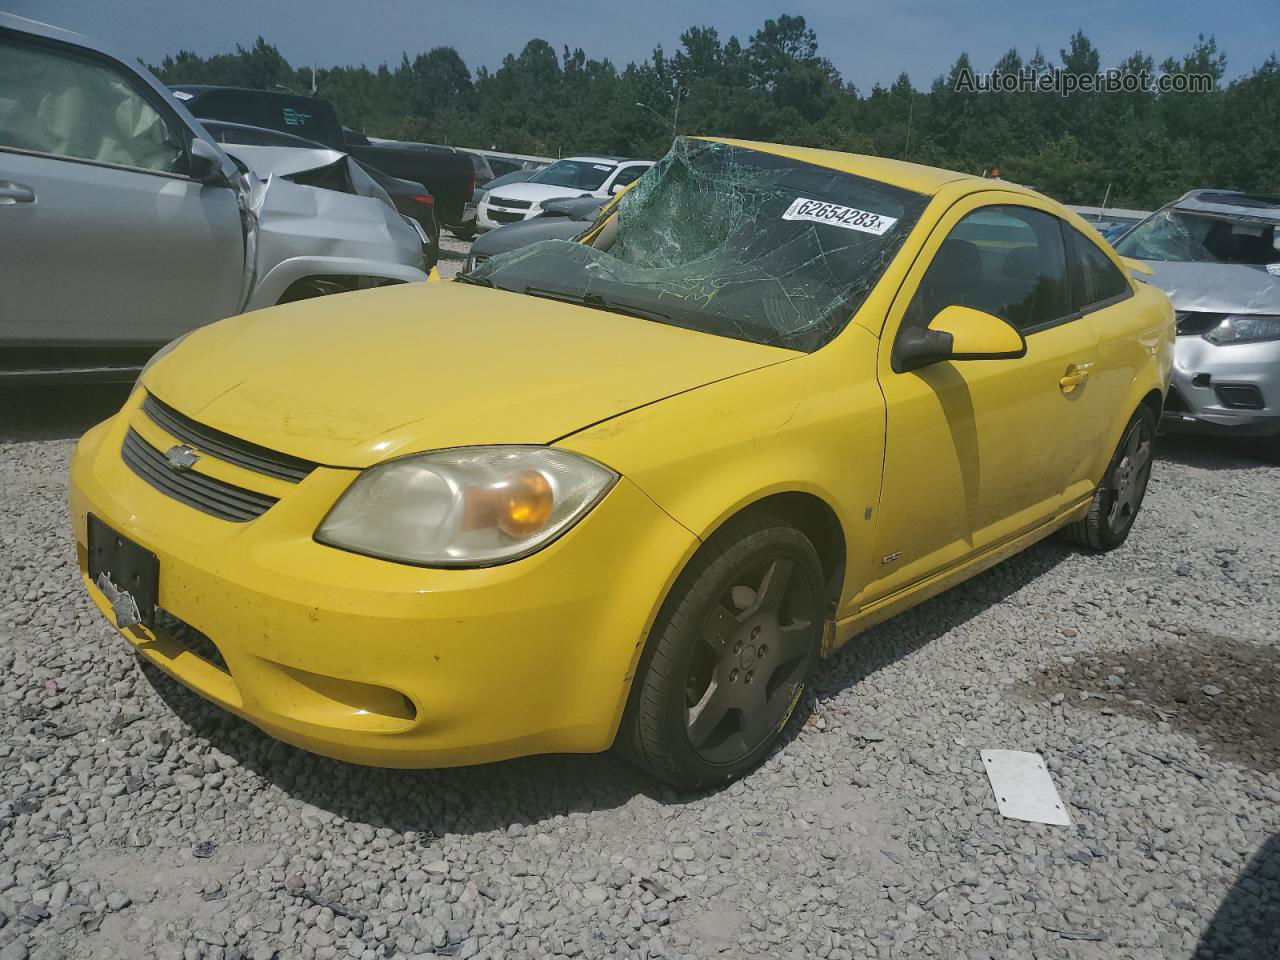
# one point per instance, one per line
(1023, 788)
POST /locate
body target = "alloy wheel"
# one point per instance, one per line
(749, 666)
(1129, 476)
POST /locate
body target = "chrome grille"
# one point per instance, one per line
(513, 204)
(224, 446)
(214, 497)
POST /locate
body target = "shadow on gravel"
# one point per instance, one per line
(494, 796)
(57, 412)
(1222, 691)
(888, 642)
(429, 803)
(1247, 924)
(1212, 453)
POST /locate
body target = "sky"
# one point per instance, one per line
(869, 41)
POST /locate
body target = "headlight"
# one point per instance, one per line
(1244, 328)
(166, 349)
(469, 507)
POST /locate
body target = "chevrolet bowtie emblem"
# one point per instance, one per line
(181, 457)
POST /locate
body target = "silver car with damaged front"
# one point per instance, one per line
(323, 225)
(1216, 253)
(124, 225)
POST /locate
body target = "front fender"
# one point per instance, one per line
(814, 425)
(279, 278)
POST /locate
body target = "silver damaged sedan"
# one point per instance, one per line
(1216, 253)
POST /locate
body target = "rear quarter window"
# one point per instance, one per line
(1094, 278)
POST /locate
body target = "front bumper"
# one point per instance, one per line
(1229, 390)
(383, 663)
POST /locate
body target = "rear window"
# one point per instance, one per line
(306, 117)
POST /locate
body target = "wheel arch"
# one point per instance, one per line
(269, 288)
(1155, 400)
(806, 511)
(815, 518)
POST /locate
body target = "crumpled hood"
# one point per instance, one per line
(1217, 287)
(283, 161)
(354, 379)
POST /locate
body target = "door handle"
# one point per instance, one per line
(11, 193)
(1077, 373)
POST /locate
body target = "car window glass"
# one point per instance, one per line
(1004, 260)
(1094, 278)
(1181, 237)
(629, 175)
(579, 174)
(68, 106)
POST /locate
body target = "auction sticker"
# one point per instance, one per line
(851, 218)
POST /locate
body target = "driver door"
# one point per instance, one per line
(980, 451)
(104, 238)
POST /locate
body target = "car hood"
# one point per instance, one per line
(1217, 287)
(354, 379)
(268, 161)
(521, 234)
(537, 192)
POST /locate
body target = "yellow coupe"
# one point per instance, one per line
(627, 489)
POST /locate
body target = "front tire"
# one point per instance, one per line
(1120, 494)
(729, 657)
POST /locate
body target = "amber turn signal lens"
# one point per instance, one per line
(527, 506)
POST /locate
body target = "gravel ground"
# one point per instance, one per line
(137, 821)
(453, 252)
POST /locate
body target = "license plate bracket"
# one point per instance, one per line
(128, 574)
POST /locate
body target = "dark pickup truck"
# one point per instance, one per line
(446, 172)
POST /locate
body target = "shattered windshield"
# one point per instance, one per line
(729, 241)
(1181, 237)
(579, 174)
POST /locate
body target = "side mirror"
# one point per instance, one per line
(204, 162)
(957, 333)
(616, 189)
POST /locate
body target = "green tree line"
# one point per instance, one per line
(1140, 148)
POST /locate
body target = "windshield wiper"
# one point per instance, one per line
(597, 302)
(477, 281)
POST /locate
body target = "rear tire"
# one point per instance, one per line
(1119, 496)
(729, 657)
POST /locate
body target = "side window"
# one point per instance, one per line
(628, 175)
(1005, 260)
(70, 106)
(1094, 278)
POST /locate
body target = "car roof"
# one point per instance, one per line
(600, 158)
(39, 28)
(1234, 203)
(898, 173)
(201, 87)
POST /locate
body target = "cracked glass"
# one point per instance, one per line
(729, 241)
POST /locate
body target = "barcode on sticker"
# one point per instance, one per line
(851, 218)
